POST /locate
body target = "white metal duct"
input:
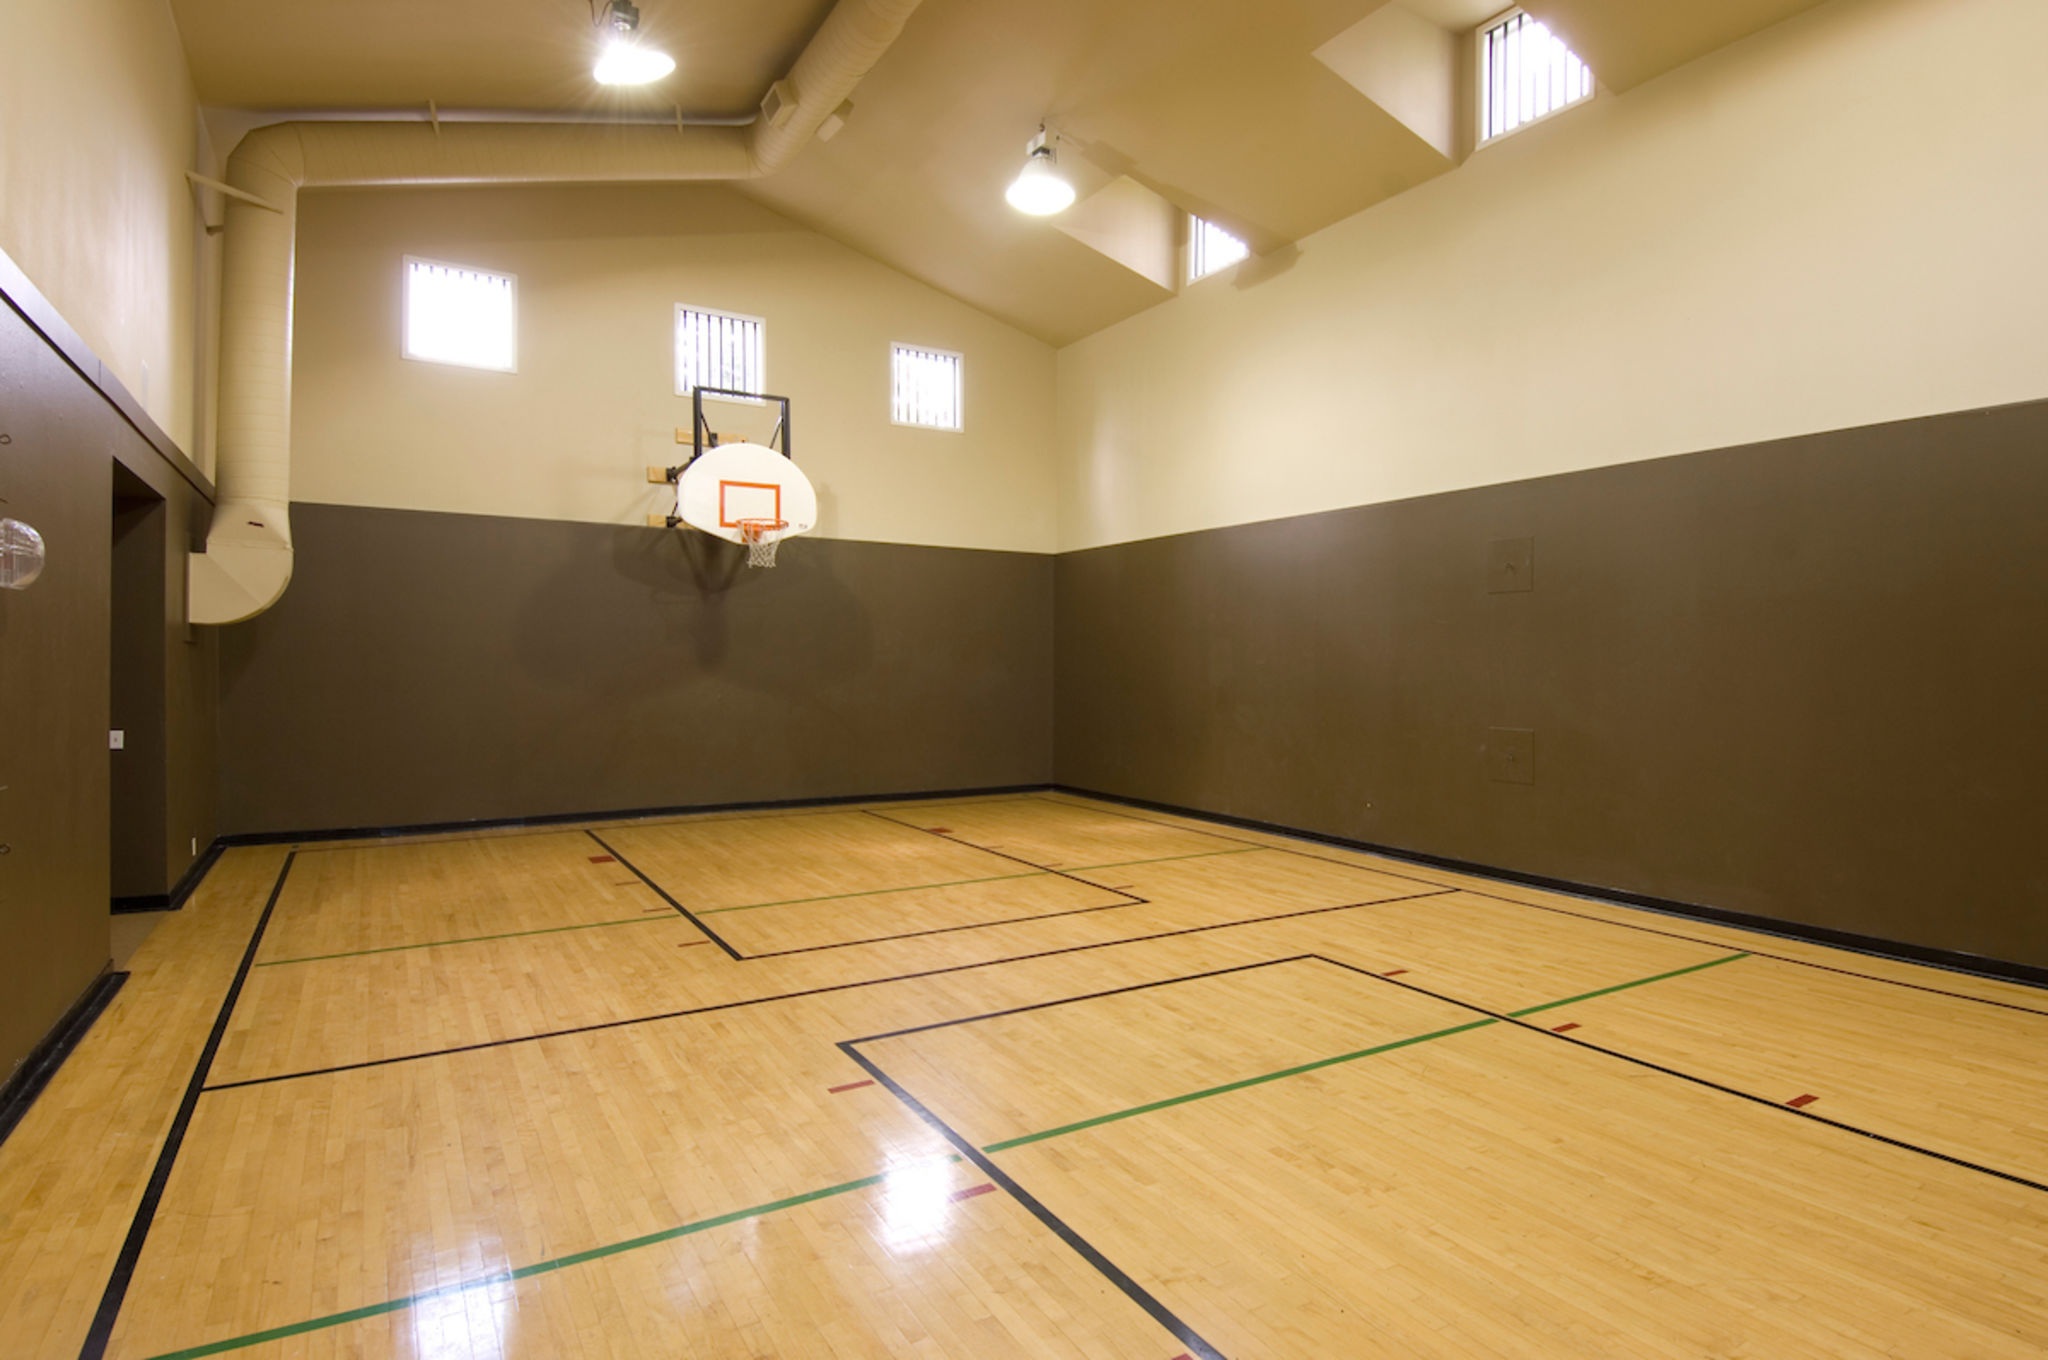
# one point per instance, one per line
(248, 558)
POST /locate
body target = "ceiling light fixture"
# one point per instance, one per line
(1040, 189)
(623, 61)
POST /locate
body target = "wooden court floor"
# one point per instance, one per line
(1023, 1076)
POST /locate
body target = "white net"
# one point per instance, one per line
(762, 537)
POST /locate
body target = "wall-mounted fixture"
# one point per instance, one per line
(623, 59)
(21, 555)
(1040, 189)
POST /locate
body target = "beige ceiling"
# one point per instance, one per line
(502, 54)
(1219, 106)
(1627, 42)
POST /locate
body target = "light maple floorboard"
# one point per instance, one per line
(1868, 966)
(73, 1171)
(512, 1094)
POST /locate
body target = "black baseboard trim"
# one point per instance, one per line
(28, 1080)
(180, 892)
(370, 833)
(1954, 960)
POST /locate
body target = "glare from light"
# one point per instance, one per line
(917, 1205)
(465, 1323)
(1040, 189)
(626, 62)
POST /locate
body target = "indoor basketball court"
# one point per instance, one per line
(1389, 709)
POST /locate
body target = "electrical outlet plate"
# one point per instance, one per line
(1510, 565)
(1511, 755)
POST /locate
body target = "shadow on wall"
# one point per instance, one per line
(1263, 268)
(702, 617)
(430, 667)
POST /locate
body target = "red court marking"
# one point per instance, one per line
(629, 883)
(850, 1086)
(970, 1192)
(604, 859)
(1801, 1102)
(940, 830)
(1396, 973)
(1559, 1029)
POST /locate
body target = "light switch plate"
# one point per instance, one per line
(117, 740)
(1511, 755)
(1510, 565)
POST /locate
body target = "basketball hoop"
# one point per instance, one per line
(762, 537)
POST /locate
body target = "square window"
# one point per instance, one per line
(925, 387)
(1211, 248)
(457, 315)
(719, 349)
(1525, 73)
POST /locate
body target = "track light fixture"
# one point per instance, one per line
(1040, 189)
(622, 59)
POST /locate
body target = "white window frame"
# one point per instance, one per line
(959, 387)
(405, 315)
(1479, 88)
(683, 389)
(1195, 224)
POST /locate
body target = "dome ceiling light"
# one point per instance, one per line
(1040, 189)
(623, 59)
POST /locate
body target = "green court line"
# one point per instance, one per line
(750, 906)
(1171, 1101)
(1624, 986)
(873, 892)
(865, 1182)
(511, 1276)
(468, 939)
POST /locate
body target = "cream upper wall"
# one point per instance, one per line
(98, 124)
(600, 272)
(1837, 222)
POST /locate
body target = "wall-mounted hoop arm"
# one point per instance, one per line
(703, 437)
(700, 429)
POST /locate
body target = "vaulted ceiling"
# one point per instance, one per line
(1255, 114)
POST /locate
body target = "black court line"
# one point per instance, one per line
(398, 838)
(1768, 1102)
(116, 1292)
(1145, 1300)
(948, 930)
(1130, 900)
(952, 839)
(555, 822)
(1085, 996)
(1130, 1288)
(817, 991)
(1581, 915)
(662, 892)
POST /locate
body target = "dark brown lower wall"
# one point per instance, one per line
(65, 425)
(1805, 679)
(437, 667)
